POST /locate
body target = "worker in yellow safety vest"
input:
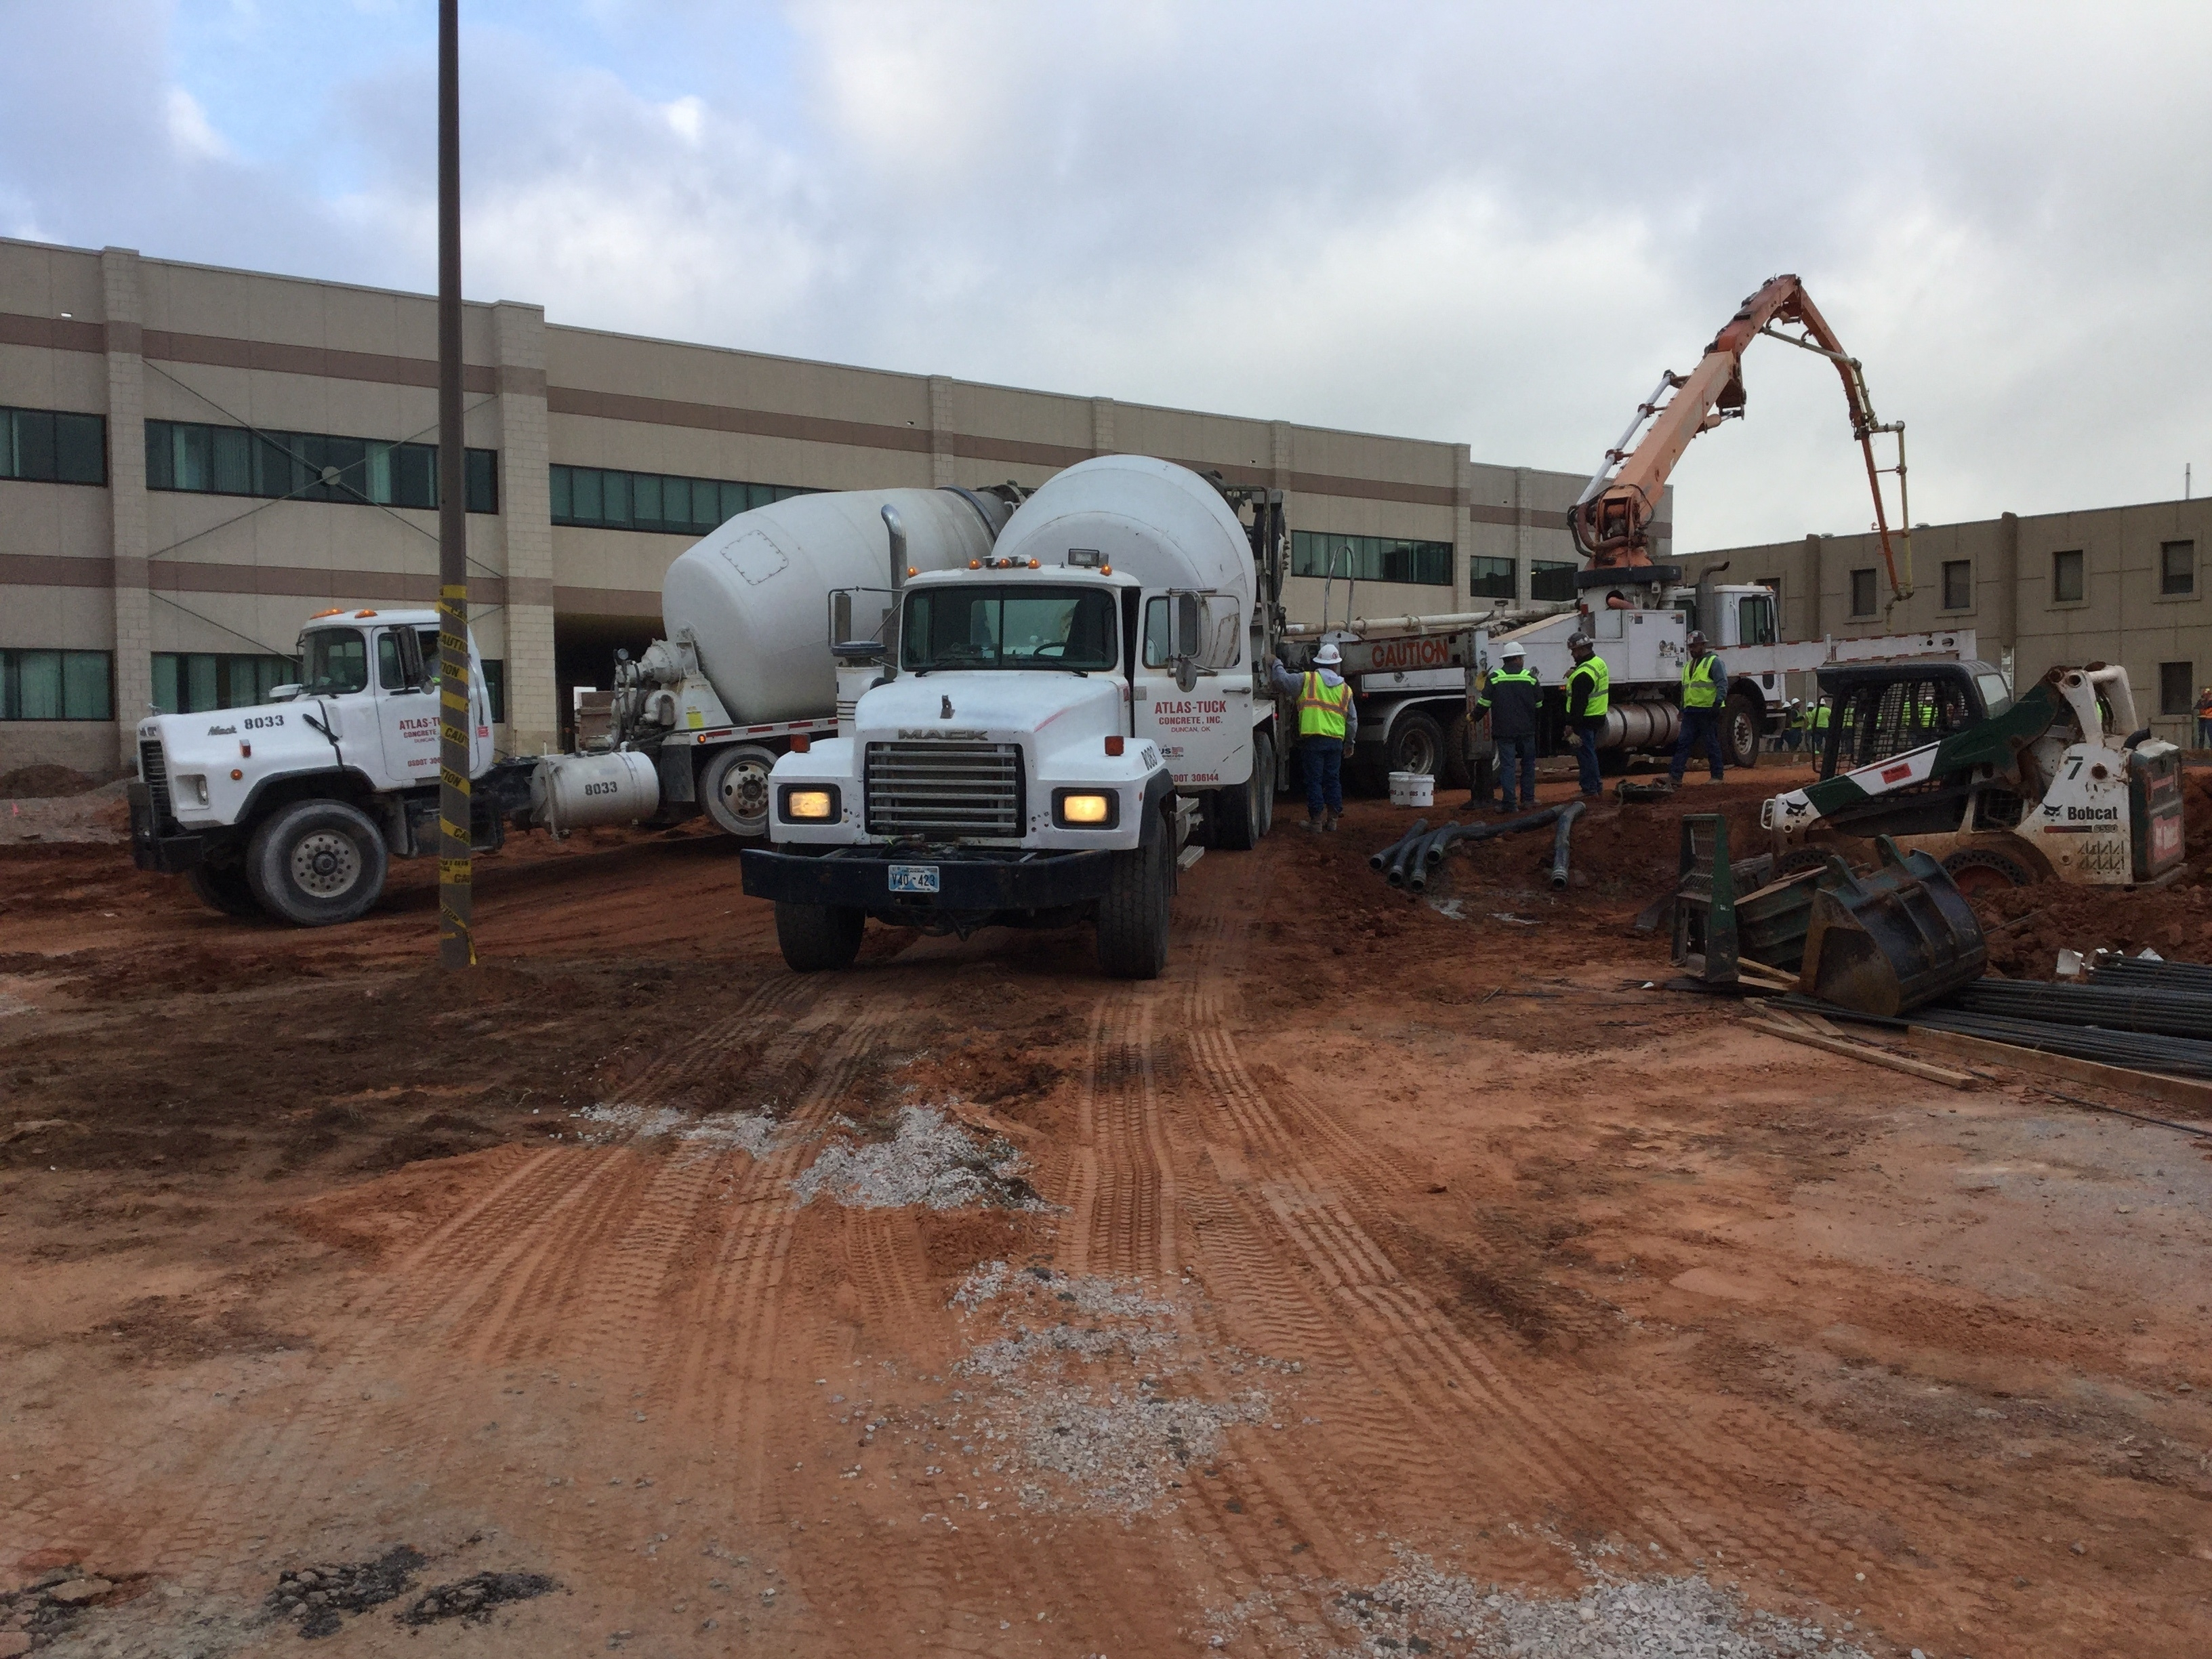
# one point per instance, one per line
(1704, 687)
(1328, 727)
(1590, 696)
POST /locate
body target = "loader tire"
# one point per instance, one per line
(1976, 871)
(316, 863)
(224, 888)
(818, 938)
(1743, 726)
(1133, 917)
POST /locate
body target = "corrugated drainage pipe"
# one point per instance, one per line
(1568, 814)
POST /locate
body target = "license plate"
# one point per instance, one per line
(914, 878)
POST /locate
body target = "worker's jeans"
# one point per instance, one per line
(1522, 749)
(1324, 767)
(1586, 756)
(2204, 733)
(1699, 725)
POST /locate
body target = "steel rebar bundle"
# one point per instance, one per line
(2137, 1051)
(2132, 1004)
(2154, 975)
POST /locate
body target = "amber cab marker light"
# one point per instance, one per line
(332, 611)
(236, 774)
(359, 615)
(800, 743)
(1113, 744)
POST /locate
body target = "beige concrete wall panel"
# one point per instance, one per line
(1045, 417)
(38, 618)
(69, 519)
(583, 360)
(614, 560)
(38, 280)
(39, 377)
(1322, 453)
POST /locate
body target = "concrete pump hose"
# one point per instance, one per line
(1428, 852)
(1568, 814)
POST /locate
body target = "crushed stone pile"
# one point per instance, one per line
(751, 1133)
(928, 1162)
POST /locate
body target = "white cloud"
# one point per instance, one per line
(189, 131)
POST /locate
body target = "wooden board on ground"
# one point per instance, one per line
(2176, 1090)
(1812, 1039)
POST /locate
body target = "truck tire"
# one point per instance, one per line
(818, 938)
(1743, 727)
(1416, 743)
(316, 862)
(1133, 917)
(733, 788)
(224, 888)
(1240, 814)
(1458, 772)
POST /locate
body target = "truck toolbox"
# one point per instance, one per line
(965, 879)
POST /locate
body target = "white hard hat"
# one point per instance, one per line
(1511, 652)
(1328, 656)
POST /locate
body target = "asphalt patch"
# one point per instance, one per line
(319, 1597)
(473, 1599)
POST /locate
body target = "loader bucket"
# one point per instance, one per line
(1885, 943)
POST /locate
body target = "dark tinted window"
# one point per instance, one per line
(1371, 558)
(2067, 585)
(2177, 567)
(56, 685)
(2177, 688)
(309, 467)
(47, 445)
(1958, 584)
(604, 498)
(1490, 578)
(1552, 579)
(334, 661)
(1863, 594)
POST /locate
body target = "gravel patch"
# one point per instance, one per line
(318, 1597)
(1424, 1608)
(928, 1161)
(472, 1600)
(750, 1132)
(1095, 1394)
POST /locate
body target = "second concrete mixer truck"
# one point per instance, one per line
(296, 807)
(1047, 733)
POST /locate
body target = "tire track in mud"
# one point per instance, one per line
(1122, 1224)
(1656, 1469)
(507, 1276)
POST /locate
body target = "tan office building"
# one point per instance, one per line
(2123, 585)
(193, 460)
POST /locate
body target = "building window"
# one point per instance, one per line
(1958, 584)
(54, 446)
(1371, 558)
(195, 682)
(56, 685)
(1862, 593)
(2177, 688)
(2177, 567)
(1553, 579)
(1490, 578)
(600, 498)
(2066, 581)
(308, 466)
(494, 684)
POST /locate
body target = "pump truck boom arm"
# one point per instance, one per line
(1610, 522)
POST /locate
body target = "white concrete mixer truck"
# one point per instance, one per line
(1046, 733)
(294, 808)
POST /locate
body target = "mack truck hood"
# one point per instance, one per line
(1000, 705)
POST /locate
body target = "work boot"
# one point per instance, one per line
(1330, 823)
(1313, 826)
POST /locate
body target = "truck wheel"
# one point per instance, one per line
(316, 862)
(1238, 815)
(1456, 774)
(224, 888)
(1417, 744)
(733, 788)
(818, 938)
(1743, 724)
(1133, 917)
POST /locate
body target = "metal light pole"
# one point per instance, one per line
(455, 718)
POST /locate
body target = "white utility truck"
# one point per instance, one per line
(1043, 737)
(1412, 703)
(295, 807)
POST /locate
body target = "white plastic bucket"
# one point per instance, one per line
(1412, 789)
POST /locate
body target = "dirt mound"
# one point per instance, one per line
(2027, 927)
(45, 778)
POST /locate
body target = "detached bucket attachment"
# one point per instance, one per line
(1886, 943)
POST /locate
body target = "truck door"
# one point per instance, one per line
(480, 747)
(1204, 732)
(407, 707)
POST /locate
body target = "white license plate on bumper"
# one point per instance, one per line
(914, 878)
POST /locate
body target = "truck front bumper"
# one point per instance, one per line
(969, 880)
(151, 849)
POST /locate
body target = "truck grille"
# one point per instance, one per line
(944, 788)
(156, 767)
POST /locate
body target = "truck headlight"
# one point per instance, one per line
(806, 803)
(193, 785)
(1085, 809)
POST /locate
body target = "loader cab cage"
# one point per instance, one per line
(1879, 709)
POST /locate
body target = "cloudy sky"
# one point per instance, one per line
(1494, 224)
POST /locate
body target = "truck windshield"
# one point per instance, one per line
(1009, 627)
(335, 660)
